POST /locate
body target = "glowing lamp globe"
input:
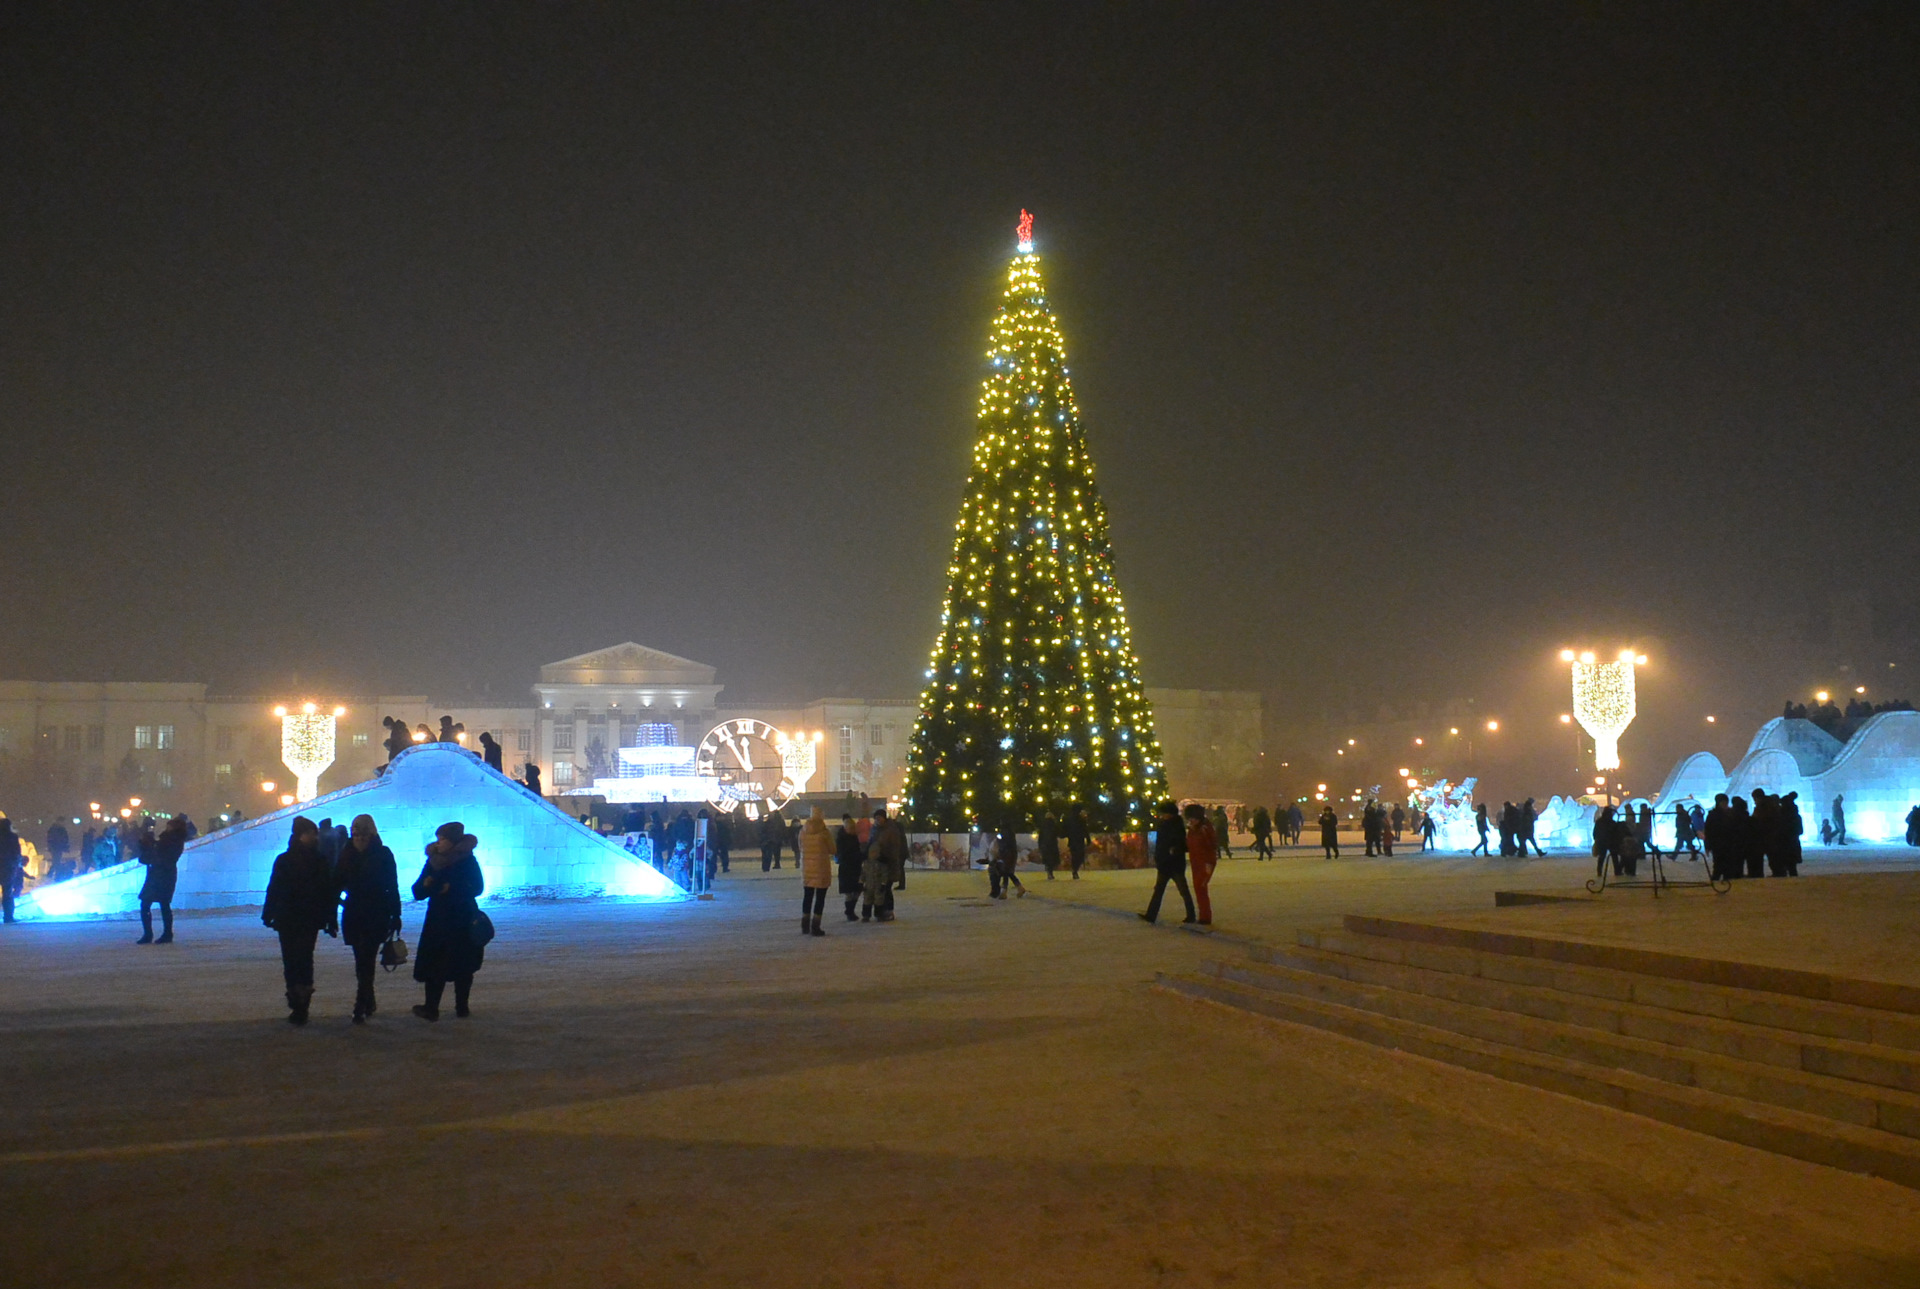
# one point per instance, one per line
(1603, 701)
(306, 746)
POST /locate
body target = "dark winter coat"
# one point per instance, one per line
(1329, 828)
(1076, 831)
(446, 950)
(370, 884)
(846, 849)
(301, 895)
(163, 866)
(1169, 846)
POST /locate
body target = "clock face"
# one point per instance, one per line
(748, 769)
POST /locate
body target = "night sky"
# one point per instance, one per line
(406, 347)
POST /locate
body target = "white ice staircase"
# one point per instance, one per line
(1817, 1067)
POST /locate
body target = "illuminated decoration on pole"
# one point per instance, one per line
(306, 745)
(1603, 701)
(1033, 698)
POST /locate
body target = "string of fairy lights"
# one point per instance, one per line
(1033, 698)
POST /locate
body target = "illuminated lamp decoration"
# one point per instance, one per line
(750, 766)
(528, 847)
(306, 745)
(1603, 701)
(1033, 697)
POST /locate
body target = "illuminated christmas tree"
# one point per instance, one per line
(1033, 699)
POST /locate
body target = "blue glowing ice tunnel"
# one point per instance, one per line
(528, 847)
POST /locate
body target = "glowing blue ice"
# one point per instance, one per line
(528, 847)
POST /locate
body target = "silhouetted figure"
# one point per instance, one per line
(1839, 820)
(13, 870)
(1049, 840)
(490, 750)
(1789, 827)
(1169, 861)
(1330, 833)
(1529, 821)
(450, 732)
(1002, 869)
(1296, 824)
(1741, 836)
(58, 869)
(773, 836)
(1760, 855)
(1220, 824)
(1077, 833)
(1370, 827)
(161, 855)
(661, 841)
(531, 779)
(1262, 829)
(1480, 826)
(1203, 856)
(1606, 839)
(1913, 826)
(1427, 831)
(1509, 827)
(720, 841)
(329, 842)
(453, 936)
(399, 738)
(847, 854)
(369, 883)
(301, 901)
(886, 857)
(1683, 838)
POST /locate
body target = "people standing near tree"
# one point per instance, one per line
(13, 869)
(1077, 833)
(161, 855)
(1169, 861)
(301, 901)
(1049, 840)
(1222, 837)
(886, 853)
(369, 882)
(847, 852)
(815, 858)
(453, 936)
(1262, 827)
(1203, 856)
(1329, 832)
(1002, 868)
(1480, 826)
(490, 749)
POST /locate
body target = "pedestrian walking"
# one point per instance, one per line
(369, 883)
(1480, 825)
(301, 901)
(1203, 856)
(1049, 839)
(491, 751)
(1077, 832)
(1002, 869)
(1221, 836)
(847, 851)
(816, 870)
(1169, 861)
(1262, 827)
(454, 935)
(161, 855)
(1529, 820)
(13, 869)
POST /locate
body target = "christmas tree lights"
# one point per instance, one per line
(1033, 699)
(307, 745)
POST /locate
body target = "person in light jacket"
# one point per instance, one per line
(816, 870)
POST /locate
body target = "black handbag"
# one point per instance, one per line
(393, 954)
(480, 929)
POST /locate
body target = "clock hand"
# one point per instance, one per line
(745, 754)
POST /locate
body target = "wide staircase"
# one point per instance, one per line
(1819, 1067)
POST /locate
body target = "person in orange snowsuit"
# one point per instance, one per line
(1203, 853)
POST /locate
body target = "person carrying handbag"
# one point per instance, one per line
(454, 935)
(370, 910)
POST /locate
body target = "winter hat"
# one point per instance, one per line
(302, 824)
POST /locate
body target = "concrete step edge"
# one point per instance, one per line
(1766, 1127)
(1885, 995)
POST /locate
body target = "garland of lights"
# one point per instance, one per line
(307, 746)
(1033, 699)
(1603, 702)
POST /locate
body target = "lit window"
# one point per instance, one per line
(359, 740)
(562, 740)
(563, 772)
(166, 736)
(166, 778)
(143, 736)
(223, 771)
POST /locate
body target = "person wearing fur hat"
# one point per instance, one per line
(301, 901)
(451, 884)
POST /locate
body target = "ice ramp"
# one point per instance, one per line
(528, 847)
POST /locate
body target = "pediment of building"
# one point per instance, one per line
(627, 664)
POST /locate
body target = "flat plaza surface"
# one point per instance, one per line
(982, 1093)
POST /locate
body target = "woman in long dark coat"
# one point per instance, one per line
(301, 900)
(451, 885)
(162, 857)
(370, 912)
(846, 851)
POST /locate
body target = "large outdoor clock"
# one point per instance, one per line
(754, 767)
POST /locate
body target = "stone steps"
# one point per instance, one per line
(1810, 1073)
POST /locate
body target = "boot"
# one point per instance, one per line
(145, 939)
(298, 1001)
(806, 925)
(424, 1012)
(166, 937)
(866, 912)
(816, 925)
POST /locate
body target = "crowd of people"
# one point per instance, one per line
(1734, 839)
